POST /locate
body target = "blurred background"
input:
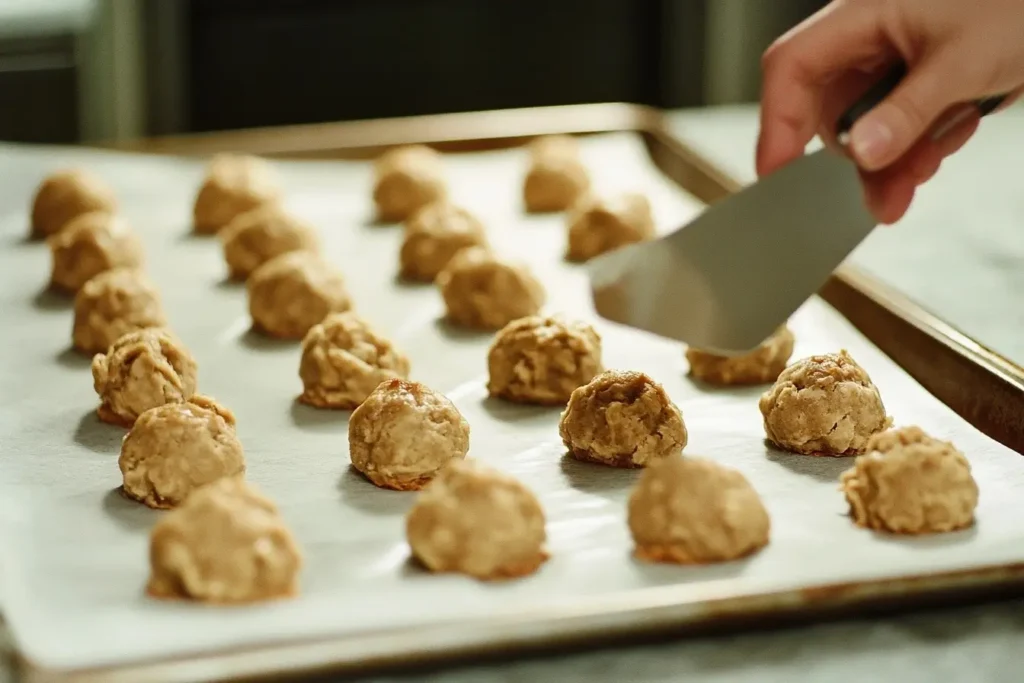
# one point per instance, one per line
(86, 70)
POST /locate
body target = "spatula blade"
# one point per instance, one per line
(727, 280)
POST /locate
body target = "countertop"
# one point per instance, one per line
(960, 252)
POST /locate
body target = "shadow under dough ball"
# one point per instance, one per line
(910, 483)
(66, 195)
(142, 370)
(112, 304)
(486, 292)
(89, 245)
(291, 293)
(226, 544)
(823, 405)
(234, 184)
(175, 448)
(477, 521)
(622, 419)
(542, 360)
(344, 360)
(404, 433)
(695, 511)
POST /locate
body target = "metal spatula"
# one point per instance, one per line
(727, 280)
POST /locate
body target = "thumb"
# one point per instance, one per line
(888, 131)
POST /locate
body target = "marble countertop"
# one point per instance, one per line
(960, 252)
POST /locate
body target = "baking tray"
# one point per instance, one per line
(586, 525)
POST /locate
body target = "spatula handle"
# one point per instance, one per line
(880, 90)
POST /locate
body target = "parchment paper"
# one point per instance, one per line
(73, 552)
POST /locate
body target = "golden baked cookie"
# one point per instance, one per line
(622, 419)
(542, 360)
(760, 366)
(294, 291)
(142, 370)
(234, 184)
(405, 180)
(344, 359)
(910, 483)
(486, 292)
(433, 236)
(256, 236)
(404, 433)
(112, 304)
(694, 511)
(175, 448)
(557, 177)
(90, 244)
(823, 405)
(66, 195)
(600, 224)
(477, 521)
(226, 544)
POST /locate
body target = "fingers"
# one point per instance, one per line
(891, 129)
(798, 65)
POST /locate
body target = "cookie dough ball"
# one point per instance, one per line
(477, 521)
(600, 224)
(90, 244)
(404, 433)
(542, 360)
(256, 236)
(760, 366)
(484, 291)
(112, 304)
(66, 195)
(226, 544)
(294, 291)
(823, 405)
(910, 483)
(405, 180)
(175, 448)
(142, 370)
(434, 235)
(622, 419)
(234, 184)
(695, 511)
(343, 361)
(557, 177)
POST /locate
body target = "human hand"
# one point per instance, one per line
(955, 51)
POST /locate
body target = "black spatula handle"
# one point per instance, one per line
(880, 90)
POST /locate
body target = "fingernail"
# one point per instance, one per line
(870, 141)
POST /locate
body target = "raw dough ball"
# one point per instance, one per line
(823, 405)
(66, 195)
(343, 361)
(695, 511)
(483, 291)
(475, 520)
(90, 244)
(404, 433)
(542, 360)
(760, 366)
(910, 483)
(597, 225)
(112, 304)
(234, 184)
(622, 419)
(226, 544)
(557, 178)
(175, 448)
(405, 180)
(433, 236)
(256, 236)
(142, 370)
(294, 291)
